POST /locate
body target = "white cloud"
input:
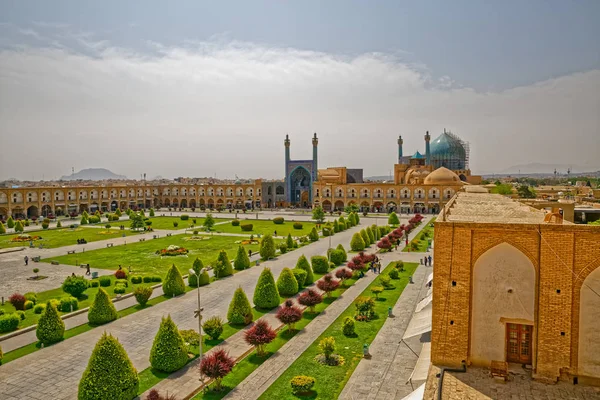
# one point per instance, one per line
(225, 107)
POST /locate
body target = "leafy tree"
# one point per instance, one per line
(136, 221)
(370, 235)
(502, 188)
(102, 309)
(310, 298)
(526, 192)
(242, 261)
(313, 235)
(320, 264)
(173, 284)
(289, 314)
(327, 346)
(376, 290)
(336, 226)
(385, 244)
(350, 208)
(365, 237)
(240, 311)
(340, 247)
(209, 222)
(169, 352)
(357, 243)
(267, 247)
(75, 285)
(50, 327)
(216, 365)
(10, 222)
(266, 295)
(260, 335)
(303, 263)
(287, 284)
(109, 374)
(18, 226)
(2, 228)
(393, 219)
(328, 284)
(118, 212)
(151, 212)
(343, 274)
(318, 214)
(289, 241)
(227, 268)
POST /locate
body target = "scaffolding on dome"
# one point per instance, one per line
(452, 154)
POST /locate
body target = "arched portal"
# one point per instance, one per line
(502, 302)
(46, 210)
(589, 326)
(339, 205)
(300, 185)
(183, 203)
(193, 203)
(167, 202)
(32, 211)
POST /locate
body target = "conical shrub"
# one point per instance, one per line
(267, 247)
(266, 295)
(340, 247)
(19, 226)
(305, 265)
(2, 228)
(169, 352)
(365, 237)
(240, 310)
(173, 284)
(109, 374)
(370, 235)
(376, 232)
(357, 243)
(393, 219)
(50, 327)
(313, 235)
(10, 222)
(193, 279)
(102, 309)
(287, 285)
(227, 267)
(336, 226)
(356, 218)
(242, 261)
(289, 242)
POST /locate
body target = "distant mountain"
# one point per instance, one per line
(92, 174)
(539, 168)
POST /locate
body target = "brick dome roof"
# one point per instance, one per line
(442, 176)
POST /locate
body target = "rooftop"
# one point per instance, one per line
(490, 208)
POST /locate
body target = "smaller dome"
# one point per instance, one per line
(442, 176)
(418, 155)
(238, 182)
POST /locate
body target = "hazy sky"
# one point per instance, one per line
(194, 88)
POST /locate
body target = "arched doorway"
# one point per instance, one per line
(300, 185)
(364, 206)
(184, 203)
(589, 326)
(32, 211)
(193, 203)
(46, 210)
(175, 203)
(391, 206)
(167, 203)
(503, 301)
(3, 213)
(339, 205)
(462, 177)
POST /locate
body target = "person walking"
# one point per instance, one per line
(26, 259)
(275, 233)
(430, 260)
(87, 270)
(378, 267)
(249, 253)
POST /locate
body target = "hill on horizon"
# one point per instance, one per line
(92, 174)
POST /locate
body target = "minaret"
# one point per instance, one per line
(427, 152)
(315, 143)
(286, 142)
(400, 143)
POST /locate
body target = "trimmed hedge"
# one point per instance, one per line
(278, 220)
(267, 247)
(68, 304)
(240, 311)
(247, 227)
(320, 264)
(337, 256)
(142, 294)
(102, 309)
(298, 225)
(235, 222)
(104, 281)
(357, 243)
(242, 261)
(136, 279)
(266, 295)
(300, 276)
(303, 264)
(75, 285)
(213, 327)
(39, 308)
(302, 384)
(109, 374)
(50, 327)
(287, 284)
(169, 352)
(9, 322)
(313, 235)
(173, 285)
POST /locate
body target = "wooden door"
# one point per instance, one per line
(518, 343)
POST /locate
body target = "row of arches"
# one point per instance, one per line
(378, 193)
(379, 206)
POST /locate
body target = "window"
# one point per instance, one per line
(279, 190)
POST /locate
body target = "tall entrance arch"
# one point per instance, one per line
(300, 187)
(589, 326)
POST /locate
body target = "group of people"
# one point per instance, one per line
(375, 265)
(81, 241)
(427, 261)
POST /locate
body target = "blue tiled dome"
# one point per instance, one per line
(448, 151)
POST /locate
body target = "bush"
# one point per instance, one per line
(298, 225)
(84, 220)
(104, 281)
(235, 222)
(365, 308)
(184, 217)
(21, 315)
(18, 301)
(282, 248)
(289, 314)
(287, 284)
(156, 279)
(266, 295)
(304, 265)
(300, 276)
(376, 290)
(109, 374)
(223, 266)
(39, 308)
(357, 243)
(121, 282)
(240, 311)
(2, 228)
(173, 284)
(50, 328)
(370, 235)
(19, 226)
(213, 327)
(337, 257)
(313, 235)
(75, 285)
(175, 224)
(242, 261)
(320, 264)
(328, 284)
(385, 281)
(348, 327)
(10, 222)
(310, 298)
(94, 219)
(142, 294)
(278, 220)
(46, 225)
(247, 227)
(9, 322)
(136, 279)
(260, 335)
(394, 274)
(343, 274)
(169, 352)
(190, 337)
(393, 219)
(102, 309)
(302, 384)
(68, 304)
(326, 232)
(365, 237)
(31, 296)
(327, 346)
(120, 274)
(267, 247)
(94, 284)
(145, 279)
(216, 365)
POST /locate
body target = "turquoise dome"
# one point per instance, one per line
(448, 151)
(417, 155)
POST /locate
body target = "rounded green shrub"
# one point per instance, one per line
(145, 279)
(28, 305)
(142, 294)
(348, 327)
(10, 222)
(235, 222)
(282, 248)
(39, 308)
(75, 285)
(242, 261)
(370, 235)
(169, 352)
(303, 264)
(121, 282)
(337, 256)
(267, 247)
(365, 237)
(266, 295)
(213, 327)
(66, 303)
(240, 311)
(173, 284)
(320, 264)
(102, 309)
(394, 274)
(393, 219)
(21, 314)
(2, 228)
(297, 225)
(31, 296)
(184, 217)
(9, 322)
(278, 220)
(136, 279)
(119, 289)
(300, 276)
(247, 227)
(357, 243)
(287, 285)
(313, 235)
(109, 374)
(104, 281)
(50, 328)
(94, 284)
(341, 248)
(156, 278)
(302, 384)
(289, 241)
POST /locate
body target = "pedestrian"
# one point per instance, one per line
(120, 268)
(275, 233)
(430, 260)
(249, 253)
(73, 274)
(26, 260)
(87, 270)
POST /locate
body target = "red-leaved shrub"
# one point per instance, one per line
(216, 365)
(343, 274)
(120, 274)
(260, 335)
(289, 314)
(384, 243)
(310, 298)
(328, 284)
(18, 301)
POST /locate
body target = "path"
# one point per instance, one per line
(54, 372)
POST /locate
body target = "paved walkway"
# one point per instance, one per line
(54, 372)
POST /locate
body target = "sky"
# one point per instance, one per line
(194, 88)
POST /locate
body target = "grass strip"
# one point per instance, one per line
(421, 240)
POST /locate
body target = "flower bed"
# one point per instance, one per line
(197, 238)
(247, 241)
(25, 238)
(173, 251)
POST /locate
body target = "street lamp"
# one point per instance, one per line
(198, 312)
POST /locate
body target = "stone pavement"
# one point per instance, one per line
(385, 374)
(54, 372)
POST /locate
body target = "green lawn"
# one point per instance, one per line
(143, 260)
(331, 380)
(167, 222)
(263, 227)
(52, 238)
(421, 240)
